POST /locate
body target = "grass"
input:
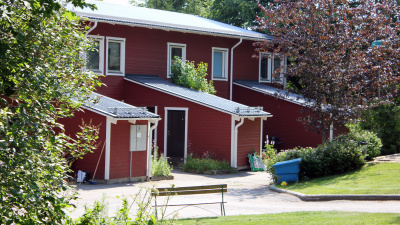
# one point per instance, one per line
(301, 218)
(381, 178)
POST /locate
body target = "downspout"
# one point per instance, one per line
(108, 146)
(150, 137)
(236, 140)
(231, 81)
(92, 28)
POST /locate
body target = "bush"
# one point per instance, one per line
(385, 122)
(358, 135)
(205, 164)
(187, 75)
(160, 166)
(339, 156)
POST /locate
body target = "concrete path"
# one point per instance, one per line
(248, 193)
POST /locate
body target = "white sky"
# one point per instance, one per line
(122, 2)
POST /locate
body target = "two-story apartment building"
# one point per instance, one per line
(136, 48)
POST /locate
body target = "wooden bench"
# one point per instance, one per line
(193, 190)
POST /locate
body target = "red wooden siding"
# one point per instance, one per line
(284, 123)
(89, 161)
(208, 129)
(147, 50)
(248, 140)
(112, 87)
(120, 154)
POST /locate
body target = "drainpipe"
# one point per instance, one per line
(150, 137)
(92, 28)
(231, 81)
(236, 141)
(108, 146)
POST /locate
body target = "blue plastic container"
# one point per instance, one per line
(288, 170)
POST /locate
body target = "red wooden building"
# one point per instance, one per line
(136, 47)
(124, 140)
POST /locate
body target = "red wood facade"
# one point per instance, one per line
(119, 149)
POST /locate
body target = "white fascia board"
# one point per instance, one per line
(169, 27)
(190, 100)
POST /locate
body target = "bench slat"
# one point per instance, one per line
(194, 192)
(193, 187)
(208, 203)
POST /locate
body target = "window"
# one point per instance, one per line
(115, 64)
(219, 64)
(175, 50)
(270, 64)
(95, 58)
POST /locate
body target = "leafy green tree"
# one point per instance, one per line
(384, 120)
(187, 75)
(40, 76)
(195, 7)
(329, 44)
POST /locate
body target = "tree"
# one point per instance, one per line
(195, 7)
(41, 74)
(328, 44)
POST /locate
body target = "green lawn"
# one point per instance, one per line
(333, 218)
(381, 178)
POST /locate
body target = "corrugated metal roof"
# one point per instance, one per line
(115, 108)
(265, 89)
(140, 16)
(198, 97)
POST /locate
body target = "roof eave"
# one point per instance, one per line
(189, 99)
(169, 27)
(103, 113)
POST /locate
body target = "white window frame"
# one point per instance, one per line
(225, 56)
(270, 67)
(100, 39)
(170, 45)
(122, 56)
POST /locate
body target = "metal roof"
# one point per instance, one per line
(198, 97)
(159, 19)
(272, 91)
(116, 109)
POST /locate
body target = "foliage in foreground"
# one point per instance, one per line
(331, 60)
(341, 155)
(187, 75)
(362, 181)
(385, 121)
(160, 166)
(206, 164)
(40, 73)
(310, 218)
(137, 210)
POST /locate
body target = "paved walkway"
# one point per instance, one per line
(388, 158)
(248, 193)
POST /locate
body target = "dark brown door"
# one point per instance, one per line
(176, 134)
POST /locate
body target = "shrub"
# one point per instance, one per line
(339, 156)
(385, 122)
(187, 75)
(205, 164)
(358, 135)
(160, 166)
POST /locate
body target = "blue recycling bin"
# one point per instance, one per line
(288, 170)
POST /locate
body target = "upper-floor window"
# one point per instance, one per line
(175, 50)
(219, 64)
(115, 64)
(95, 58)
(272, 64)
